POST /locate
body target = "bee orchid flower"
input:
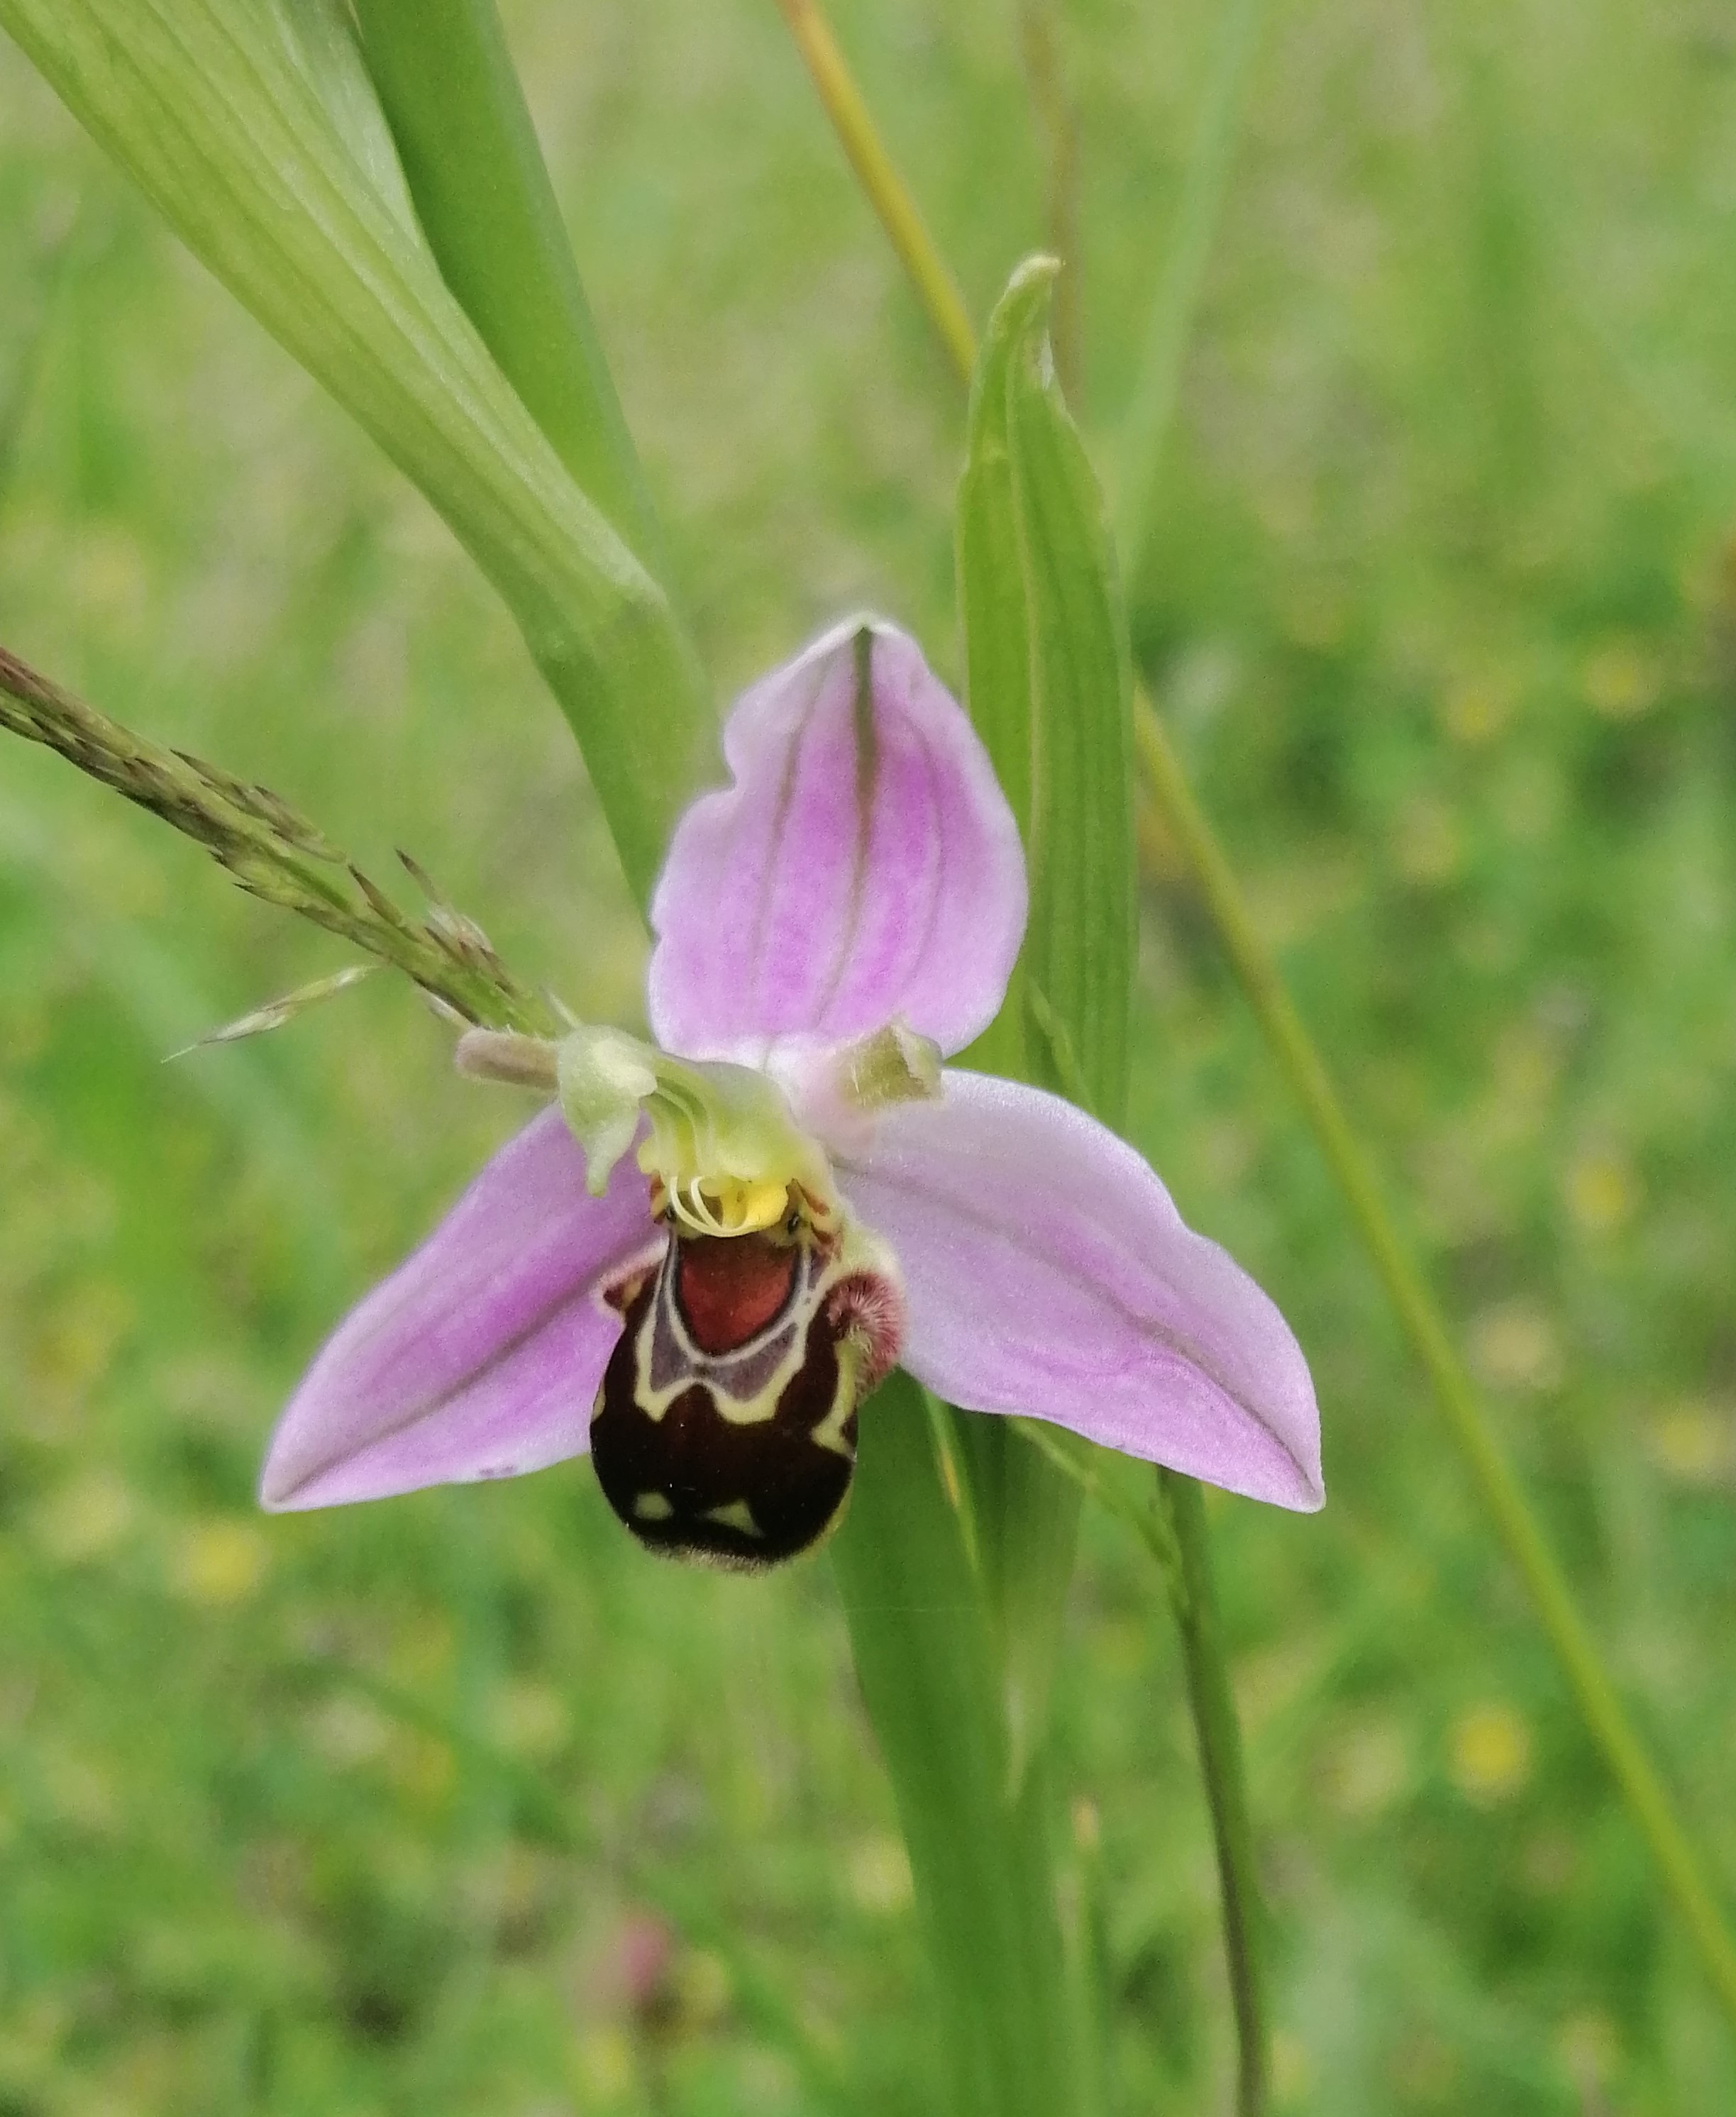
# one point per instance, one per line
(698, 1262)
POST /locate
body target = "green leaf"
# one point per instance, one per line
(323, 35)
(222, 118)
(1026, 1514)
(994, 599)
(1079, 949)
(1049, 686)
(994, 609)
(926, 1656)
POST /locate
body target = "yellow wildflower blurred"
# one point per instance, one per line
(1693, 1442)
(1475, 711)
(1603, 1192)
(218, 1562)
(1490, 1754)
(85, 1518)
(1620, 681)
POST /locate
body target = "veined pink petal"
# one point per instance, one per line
(480, 1357)
(864, 864)
(1049, 1273)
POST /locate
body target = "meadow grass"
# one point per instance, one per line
(355, 1813)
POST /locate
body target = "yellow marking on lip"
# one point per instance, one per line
(652, 1507)
(736, 1515)
(735, 1411)
(829, 1433)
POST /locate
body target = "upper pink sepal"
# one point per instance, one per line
(1049, 1273)
(481, 1356)
(863, 866)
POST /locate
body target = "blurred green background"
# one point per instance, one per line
(457, 1804)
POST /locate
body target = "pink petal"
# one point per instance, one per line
(1048, 1272)
(480, 1357)
(864, 864)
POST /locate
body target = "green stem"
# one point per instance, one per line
(877, 173)
(926, 1655)
(1218, 1733)
(1681, 1868)
(1174, 1533)
(452, 98)
(1600, 1708)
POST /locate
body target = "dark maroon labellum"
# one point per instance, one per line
(725, 1428)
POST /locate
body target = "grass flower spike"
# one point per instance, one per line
(715, 1245)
